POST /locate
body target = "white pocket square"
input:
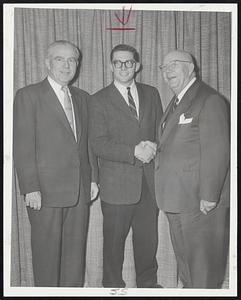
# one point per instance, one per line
(183, 120)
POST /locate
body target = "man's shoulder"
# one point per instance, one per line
(104, 93)
(105, 90)
(32, 90)
(209, 92)
(79, 91)
(32, 86)
(146, 87)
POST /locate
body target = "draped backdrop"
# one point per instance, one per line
(207, 35)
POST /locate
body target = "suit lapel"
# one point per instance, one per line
(142, 101)
(119, 101)
(52, 101)
(181, 108)
(77, 104)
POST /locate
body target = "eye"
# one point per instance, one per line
(129, 63)
(117, 63)
(72, 60)
(59, 59)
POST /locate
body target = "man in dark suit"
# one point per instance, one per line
(192, 173)
(54, 173)
(124, 119)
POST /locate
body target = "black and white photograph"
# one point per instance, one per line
(120, 149)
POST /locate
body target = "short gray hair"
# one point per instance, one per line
(62, 43)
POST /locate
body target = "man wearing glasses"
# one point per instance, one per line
(123, 126)
(192, 173)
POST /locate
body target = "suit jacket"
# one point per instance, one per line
(114, 132)
(47, 157)
(193, 155)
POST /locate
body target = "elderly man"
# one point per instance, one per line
(52, 163)
(192, 173)
(124, 120)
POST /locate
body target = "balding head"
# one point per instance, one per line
(177, 55)
(178, 70)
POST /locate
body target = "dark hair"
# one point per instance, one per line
(124, 47)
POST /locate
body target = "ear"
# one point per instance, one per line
(137, 68)
(111, 67)
(191, 68)
(47, 64)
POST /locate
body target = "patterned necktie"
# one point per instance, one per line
(175, 103)
(68, 107)
(132, 105)
(172, 109)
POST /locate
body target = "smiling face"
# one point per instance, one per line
(178, 70)
(62, 63)
(123, 74)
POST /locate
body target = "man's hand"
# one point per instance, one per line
(94, 190)
(33, 200)
(206, 206)
(150, 144)
(145, 151)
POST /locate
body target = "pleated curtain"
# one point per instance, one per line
(207, 35)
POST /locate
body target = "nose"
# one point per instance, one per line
(66, 63)
(123, 66)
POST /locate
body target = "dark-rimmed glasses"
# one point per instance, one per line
(172, 65)
(128, 64)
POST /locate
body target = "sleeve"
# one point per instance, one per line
(24, 152)
(101, 141)
(214, 146)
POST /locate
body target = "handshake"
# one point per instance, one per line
(145, 151)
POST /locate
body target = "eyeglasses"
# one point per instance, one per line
(128, 64)
(172, 65)
(62, 60)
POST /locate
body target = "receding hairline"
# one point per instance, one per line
(56, 44)
(179, 54)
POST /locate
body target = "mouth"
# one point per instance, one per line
(124, 73)
(65, 72)
(171, 77)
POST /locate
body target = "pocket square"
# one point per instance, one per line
(183, 120)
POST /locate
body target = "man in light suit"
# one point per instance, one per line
(192, 173)
(124, 119)
(52, 163)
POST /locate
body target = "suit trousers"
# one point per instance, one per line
(58, 239)
(117, 220)
(200, 244)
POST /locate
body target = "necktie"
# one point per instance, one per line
(172, 109)
(175, 103)
(132, 105)
(68, 107)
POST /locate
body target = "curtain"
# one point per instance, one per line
(207, 35)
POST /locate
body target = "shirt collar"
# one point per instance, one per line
(122, 87)
(56, 86)
(181, 94)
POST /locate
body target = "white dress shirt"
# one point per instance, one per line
(123, 90)
(182, 93)
(60, 95)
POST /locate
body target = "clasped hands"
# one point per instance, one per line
(145, 151)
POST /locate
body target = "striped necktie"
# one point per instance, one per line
(68, 107)
(132, 105)
(172, 109)
(175, 103)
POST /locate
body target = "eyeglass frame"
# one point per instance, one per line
(163, 68)
(124, 62)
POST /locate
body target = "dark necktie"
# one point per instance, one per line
(68, 107)
(175, 103)
(172, 109)
(132, 105)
